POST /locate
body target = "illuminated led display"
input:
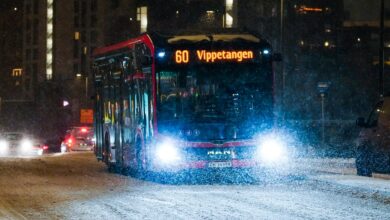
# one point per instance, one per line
(183, 56)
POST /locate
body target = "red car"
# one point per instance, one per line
(78, 139)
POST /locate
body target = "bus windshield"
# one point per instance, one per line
(215, 93)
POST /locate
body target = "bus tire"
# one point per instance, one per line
(106, 154)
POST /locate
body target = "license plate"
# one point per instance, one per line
(220, 164)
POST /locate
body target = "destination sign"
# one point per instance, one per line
(212, 56)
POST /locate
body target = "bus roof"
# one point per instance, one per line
(213, 37)
(153, 40)
(145, 38)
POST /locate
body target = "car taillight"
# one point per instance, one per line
(84, 130)
(45, 147)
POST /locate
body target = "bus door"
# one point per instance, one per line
(143, 100)
(98, 119)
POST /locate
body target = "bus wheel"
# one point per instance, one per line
(106, 154)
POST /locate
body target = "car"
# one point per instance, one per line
(20, 144)
(373, 143)
(54, 145)
(78, 139)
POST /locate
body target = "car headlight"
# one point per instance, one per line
(26, 145)
(272, 150)
(4, 145)
(167, 152)
(63, 148)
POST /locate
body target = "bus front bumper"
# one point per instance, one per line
(218, 166)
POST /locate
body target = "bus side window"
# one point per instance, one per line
(144, 57)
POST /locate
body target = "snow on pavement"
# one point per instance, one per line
(76, 186)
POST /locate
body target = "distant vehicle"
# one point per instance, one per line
(187, 102)
(78, 139)
(373, 144)
(20, 144)
(54, 145)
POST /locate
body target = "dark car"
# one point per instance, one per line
(373, 144)
(53, 145)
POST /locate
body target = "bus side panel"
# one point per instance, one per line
(98, 117)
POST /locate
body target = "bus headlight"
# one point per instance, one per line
(272, 150)
(167, 152)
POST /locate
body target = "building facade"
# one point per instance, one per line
(60, 35)
(58, 39)
(11, 50)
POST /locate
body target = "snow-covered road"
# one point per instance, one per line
(76, 186)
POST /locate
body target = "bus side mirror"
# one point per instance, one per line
(277, 57)
(360, 122)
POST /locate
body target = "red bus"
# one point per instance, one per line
(185, 102)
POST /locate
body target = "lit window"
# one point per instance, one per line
(49, 39)
(228, 21)
(142, 17)
(229, 15)
(17, 72)
(77, 35)
(229, 5)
